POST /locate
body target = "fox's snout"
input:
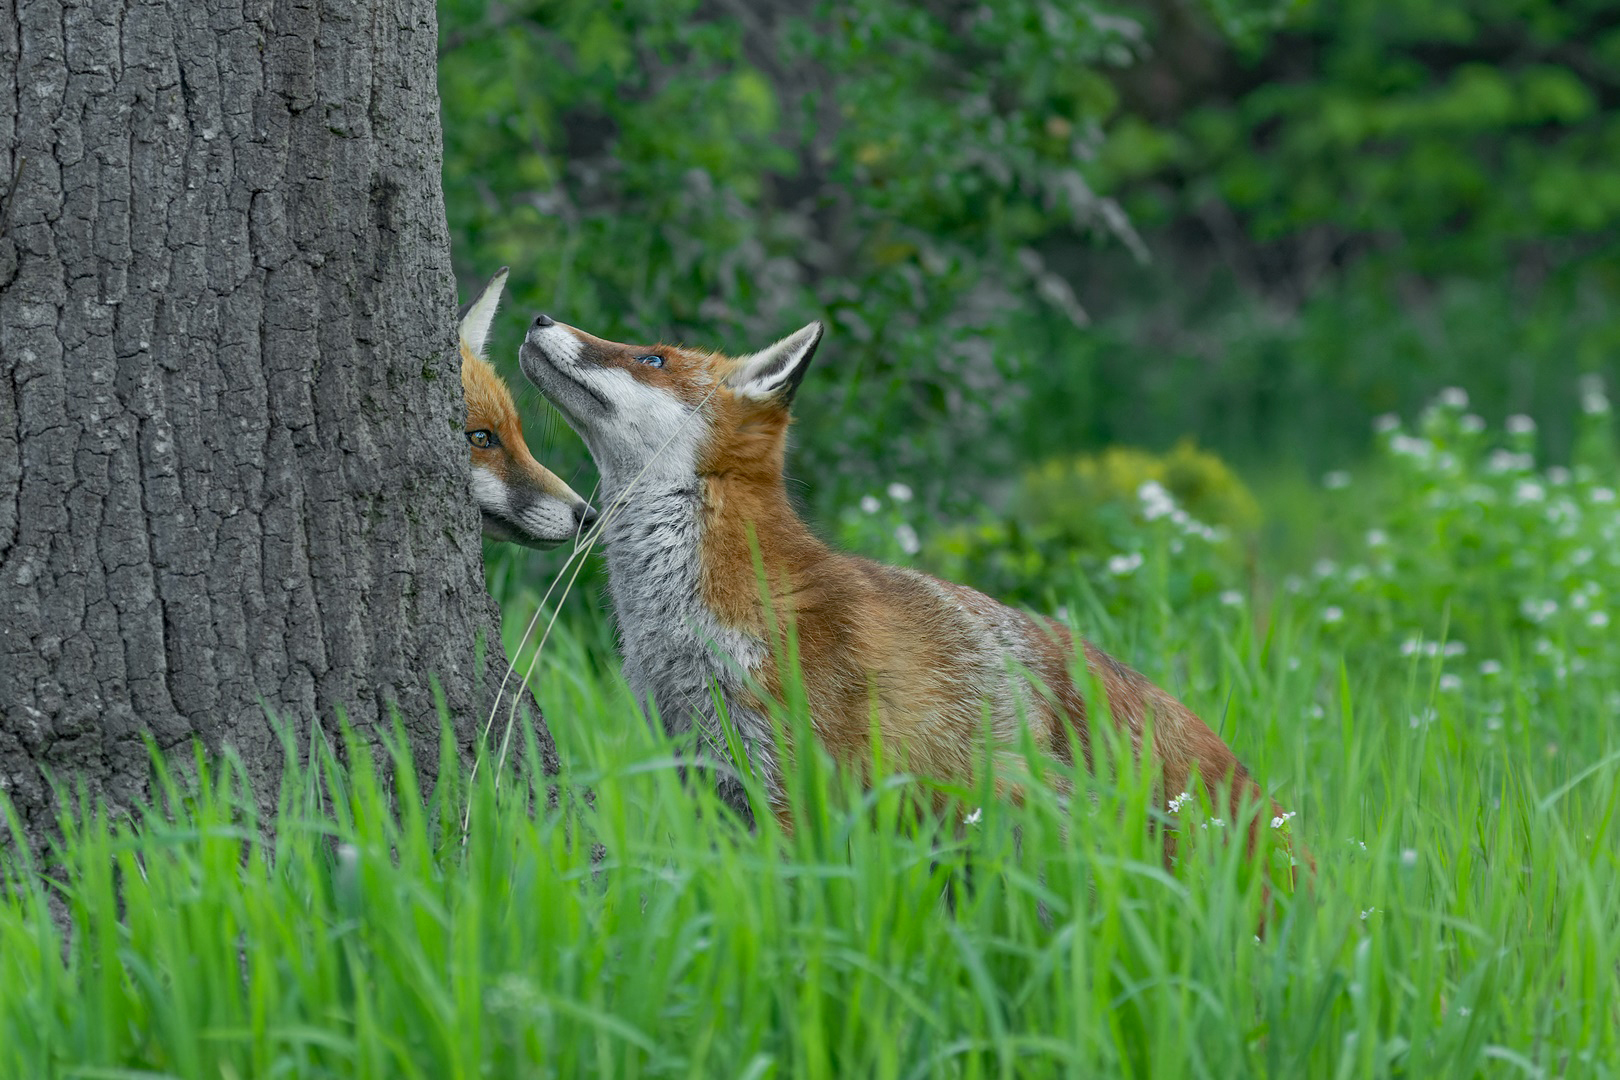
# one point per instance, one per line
(529, 506)
(548, 340)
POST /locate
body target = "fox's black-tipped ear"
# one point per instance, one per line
(776, 370)
(478, 315)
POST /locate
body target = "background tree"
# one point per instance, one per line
(232, 479)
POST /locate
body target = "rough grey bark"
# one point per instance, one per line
(231, 470)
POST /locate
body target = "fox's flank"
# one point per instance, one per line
(931, 660)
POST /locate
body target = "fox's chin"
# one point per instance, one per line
(500, 529)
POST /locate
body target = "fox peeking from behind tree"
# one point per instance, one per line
(692, 443)
(521, 500)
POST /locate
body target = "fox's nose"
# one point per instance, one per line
(543, 321)
(585, 513)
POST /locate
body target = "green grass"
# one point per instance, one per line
(1464, 918)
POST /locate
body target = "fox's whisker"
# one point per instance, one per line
(504, 474)
(613, 511)
(585, 542)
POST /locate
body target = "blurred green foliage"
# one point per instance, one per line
(1038, 228)
(1062, 492)
(1382, 198)
(1096, 518)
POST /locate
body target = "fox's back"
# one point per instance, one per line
(941, 666)
(945, 667)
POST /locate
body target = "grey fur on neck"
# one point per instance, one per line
(675, 652)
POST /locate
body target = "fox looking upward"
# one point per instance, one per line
(702, 436)
(520, 499)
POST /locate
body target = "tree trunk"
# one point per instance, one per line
(232, 475)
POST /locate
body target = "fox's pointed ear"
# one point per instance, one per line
(776, 370)
(476, 319)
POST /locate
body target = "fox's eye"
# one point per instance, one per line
(483, 439)
(652, 360)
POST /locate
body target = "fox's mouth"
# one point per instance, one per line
(534, 353)
(498, 528)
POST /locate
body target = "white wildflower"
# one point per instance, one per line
(1450, 684)
(1507, 461)
(1179, 801)
(1410, 446)
(1409, 857)
(1558, 476)
(899, 492)
(1120, 565)
(1454, 397)
(1377, 537)
(1281, 819)
(1490, 667)
(1529, 491)
(1232, 598)
(1520, 424)
(1332, 613)
(906, 537)
(1455, 648)
(1603, 495)
(1593, 400)
(1598, 619)
(973, 818)
(1538, 610)
(1156, 501)
(1472, 424)
(1336, 480)
(1386, 423)
(870, 504)
(1371, 910)
(1324, 568)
